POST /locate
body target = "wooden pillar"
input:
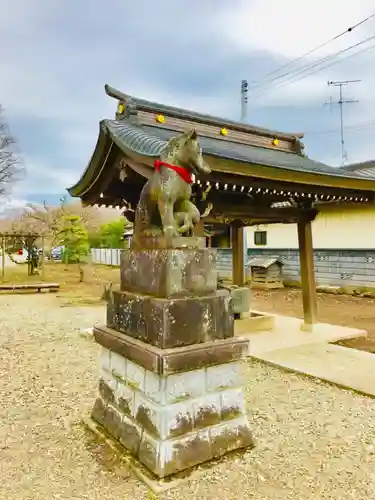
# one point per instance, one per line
(199, 229)
(238, 263)
(3, 257)
(307, 270)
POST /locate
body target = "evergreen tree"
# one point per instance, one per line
(75, 239)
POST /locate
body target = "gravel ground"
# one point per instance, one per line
(314, 441)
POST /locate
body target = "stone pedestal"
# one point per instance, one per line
(170, 386)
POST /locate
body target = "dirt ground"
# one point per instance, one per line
(356, 312)
(343, 310)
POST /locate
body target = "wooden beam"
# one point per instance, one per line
(252, 182)
(307, 274)
(238, 264)
(256, 212)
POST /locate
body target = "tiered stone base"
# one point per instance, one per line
(170, 388)
(172, 408)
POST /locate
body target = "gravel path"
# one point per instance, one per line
(314, 441)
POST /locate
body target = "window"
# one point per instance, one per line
(260, 238)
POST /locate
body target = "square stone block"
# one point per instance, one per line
(224, 376)
(230, 436)
(163, 422)
(164, 458)
(241, 298)
(141, 356)
(175, 387)
(169, 272)
(167, 323)
(232, 404)
(105, 359)
(172, 422)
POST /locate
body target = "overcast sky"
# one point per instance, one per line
(58, 54)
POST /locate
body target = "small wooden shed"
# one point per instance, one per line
(266, 273)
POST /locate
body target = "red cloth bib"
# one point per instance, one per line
(181, 171)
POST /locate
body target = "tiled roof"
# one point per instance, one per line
(150, 141)
(365, 169)
(264, 263)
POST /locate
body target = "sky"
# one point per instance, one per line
(58, 54)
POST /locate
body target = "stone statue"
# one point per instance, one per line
(164, 207)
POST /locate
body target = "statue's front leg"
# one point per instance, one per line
(167, 217)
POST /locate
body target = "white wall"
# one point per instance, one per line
(336, 227)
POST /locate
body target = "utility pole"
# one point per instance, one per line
(244, 90)
(341, 102)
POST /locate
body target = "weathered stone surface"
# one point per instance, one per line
(230, 436)
(241, 299)
(135, 375)
(176, 360)
(98, 411)
(117, 366)
(223, 376)
(203, 355)
(162, 243)
(173, 421)
(170, 272)
(106, 393)
(164, 421)
(183, 386)
(167, 323)
(232, 404)
(167, 457)
(170, 388)
(130, 435)
(113, 421)
(185, 453)
(124, 399)
(105, 359)
(207, 411)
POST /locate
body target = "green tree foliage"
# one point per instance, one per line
(110, 235)
(75, 239)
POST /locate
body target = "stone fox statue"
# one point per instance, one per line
(164, 207)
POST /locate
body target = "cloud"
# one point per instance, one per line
(60, 54)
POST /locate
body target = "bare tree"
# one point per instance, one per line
(48, 220)
(10, 162)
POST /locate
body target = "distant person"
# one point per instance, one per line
(34, 260)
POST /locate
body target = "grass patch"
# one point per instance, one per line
(72, 292)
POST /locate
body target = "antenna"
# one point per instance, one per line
(341, 102)
(244, 90)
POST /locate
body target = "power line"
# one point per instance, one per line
(355, 127)
(349, 30)
(293, 78)
(307, 67)
(341, 102)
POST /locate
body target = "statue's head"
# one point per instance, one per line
(186, 151)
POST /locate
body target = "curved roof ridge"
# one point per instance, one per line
(194, 115)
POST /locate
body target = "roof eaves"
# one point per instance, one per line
(103, 145)
(353, 167)
(129, 137)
